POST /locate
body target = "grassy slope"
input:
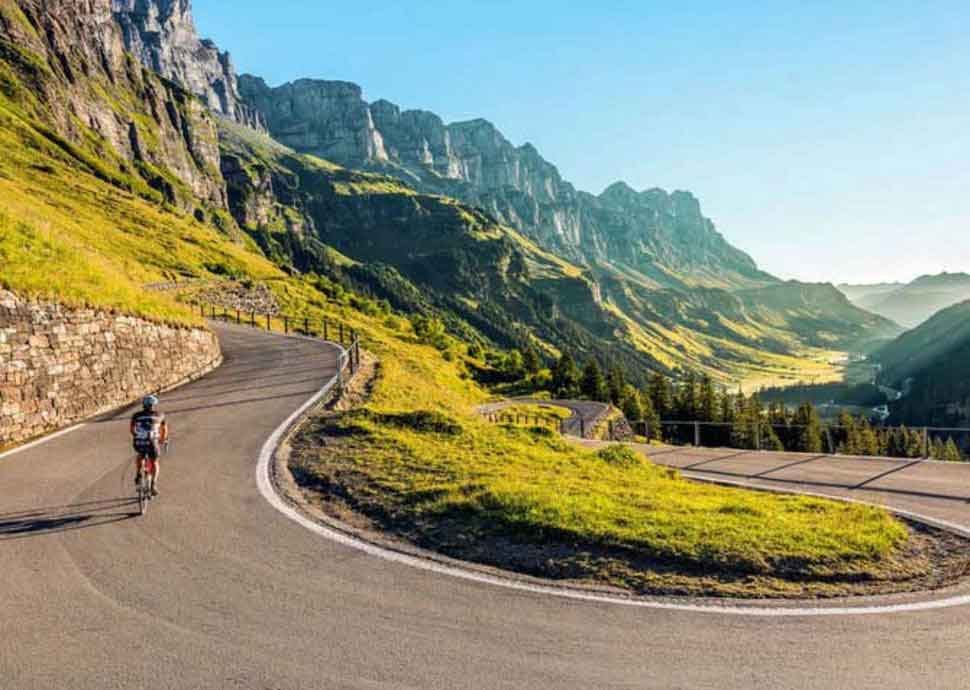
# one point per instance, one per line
(416, 455)
(68, 235)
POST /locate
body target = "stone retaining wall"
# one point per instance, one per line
(60, 365)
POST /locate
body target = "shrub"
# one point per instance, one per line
(619, 456)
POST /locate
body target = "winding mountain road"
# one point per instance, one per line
(215, 588)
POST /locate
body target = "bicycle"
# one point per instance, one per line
(144, 484)
(146, 472)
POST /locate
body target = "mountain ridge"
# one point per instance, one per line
(910, 304)
(473, 161)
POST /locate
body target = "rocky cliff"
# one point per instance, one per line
(67, 65)
(663, 236)
(162, 34)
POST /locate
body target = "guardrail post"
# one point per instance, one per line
(326, 330)
(697, 434)
(252, 319)
(286, 325)
(341, 334)
(757, 436)
(202, 310)
(238, 316)
(926, 443)
(269, 324)
(582, 428)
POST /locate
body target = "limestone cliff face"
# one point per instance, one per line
(326, 118)
(653, 231)
(70, 67)
(162, 34)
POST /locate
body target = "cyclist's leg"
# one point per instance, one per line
(155, 467)
(139, 460)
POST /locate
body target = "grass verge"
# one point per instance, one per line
(415, 461)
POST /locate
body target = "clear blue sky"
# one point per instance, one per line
(831, 140)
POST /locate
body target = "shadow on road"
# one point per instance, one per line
(52, 520)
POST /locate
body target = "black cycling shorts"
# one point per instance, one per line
(148, 449)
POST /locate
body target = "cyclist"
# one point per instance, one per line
(149, 432)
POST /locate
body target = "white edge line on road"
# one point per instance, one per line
(41, 441)
(267, 489)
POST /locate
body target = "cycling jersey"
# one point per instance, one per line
(146, 430)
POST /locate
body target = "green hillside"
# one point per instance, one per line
(931, 365)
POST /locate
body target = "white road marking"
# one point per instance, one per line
(41, 441)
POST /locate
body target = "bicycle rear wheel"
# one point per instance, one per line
(144, 494)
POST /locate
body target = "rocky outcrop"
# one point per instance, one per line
(329, 119)
(162, 34)
(60, 365)
(653, 232)
(70, 67)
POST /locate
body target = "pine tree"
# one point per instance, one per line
(848, 435)
(687, 398)
(808, 429)
(566, 377)
(650, 416)
(616, 384)
(593, 385)
(727, 411)
(659, 392)
(707, 400)
(631, 402)
(867, 441)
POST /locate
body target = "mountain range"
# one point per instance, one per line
(661, 238)
(450, 220)
(910, 304)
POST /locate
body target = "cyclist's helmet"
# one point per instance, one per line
(150, 402)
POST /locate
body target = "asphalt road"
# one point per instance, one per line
(585, 413)
(216, 589)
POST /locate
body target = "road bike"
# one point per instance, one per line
(144, 486)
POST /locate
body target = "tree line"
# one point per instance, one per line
(730, 419)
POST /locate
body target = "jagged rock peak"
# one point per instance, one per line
(162, 35)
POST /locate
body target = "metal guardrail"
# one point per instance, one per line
(756, 436)
(326, 329)
(528, 420)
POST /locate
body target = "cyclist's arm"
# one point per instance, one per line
(131, 427)
(164, 432)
